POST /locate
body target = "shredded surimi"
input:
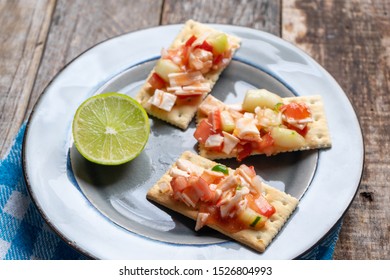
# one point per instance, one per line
(298, 123)
(226, 208)
(229, 142)
(189, 167)
(228, 183)
(201, 220)
(164, 187)
(215, 140)
(163, 100)
(246, 129)
(185, 78)
(175, 172)
(195, 89)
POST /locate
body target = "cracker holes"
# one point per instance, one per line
(272, 219)
(317, 118)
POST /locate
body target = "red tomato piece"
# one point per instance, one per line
(244, 151)
(202, 188)
(179, 183)
(266, 209)
(156, 81)
(206, 46)
(191, 40)
(302, 132)
(217, 59)
(192, 194)
(203, 131)
(214, 119)
(297, 111)
(267, 141)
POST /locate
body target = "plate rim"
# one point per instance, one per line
(295, 48)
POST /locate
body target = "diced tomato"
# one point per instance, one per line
(297, 111)
(244, 151)
(212, 177)
(266, 209)
(192, 194)
(302, 132)
(214, 118)
(206, 46)
(217, 59)
(179, 183)
(202, 188)
(267, 142)
(156, 81)
(203, 131)
(217, 148)
(191, 40)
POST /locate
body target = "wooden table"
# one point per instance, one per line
(350, 38)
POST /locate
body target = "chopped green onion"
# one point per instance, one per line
(254, 223)
(239, 187)
(221, 168)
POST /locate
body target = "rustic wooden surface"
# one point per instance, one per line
(350, 38)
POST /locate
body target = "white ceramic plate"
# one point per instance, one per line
(102, 211)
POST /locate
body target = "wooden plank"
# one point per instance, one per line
(351, 39)
(23, 29)
(259, 14)
(78, 25)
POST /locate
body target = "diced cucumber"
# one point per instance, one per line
(255, 221)
(164, 67)
(287, 138)
(219, 43)
(251, 218)
(260, 98)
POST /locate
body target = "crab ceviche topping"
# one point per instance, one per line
(181, 71)
(231, 199)
(263, 123)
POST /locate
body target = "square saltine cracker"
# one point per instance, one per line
(284, 205)
(317, 137)
(185, 108)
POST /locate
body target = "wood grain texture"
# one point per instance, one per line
(351, 39)
(80, 24)
(23, 29)
(259, 14)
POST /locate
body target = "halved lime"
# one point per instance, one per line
(110, 128)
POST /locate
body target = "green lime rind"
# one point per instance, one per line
(110, 128)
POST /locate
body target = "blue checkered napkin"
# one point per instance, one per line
(23, 232)
(25, 235)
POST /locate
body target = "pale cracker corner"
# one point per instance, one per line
(182, 113)
(257, 240)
